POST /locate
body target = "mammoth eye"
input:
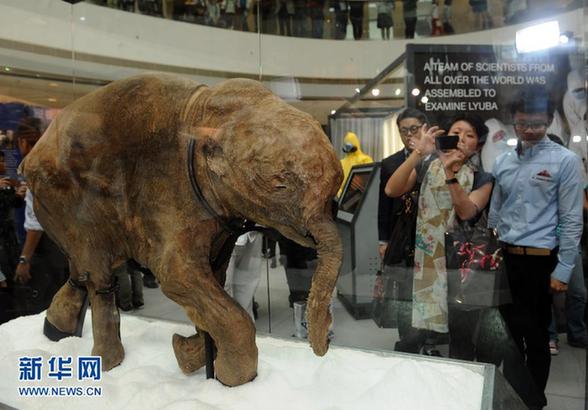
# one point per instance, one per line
(280, 181)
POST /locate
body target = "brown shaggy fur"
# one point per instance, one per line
(110, 181)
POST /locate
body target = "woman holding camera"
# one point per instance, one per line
(454, 186)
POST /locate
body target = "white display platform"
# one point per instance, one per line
(290, 376)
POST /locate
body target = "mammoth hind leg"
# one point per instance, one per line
(105, 319)
(195, 288)
(65, 316)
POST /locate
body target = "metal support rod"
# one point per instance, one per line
(209, 350)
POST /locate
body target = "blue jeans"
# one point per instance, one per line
(575, 305)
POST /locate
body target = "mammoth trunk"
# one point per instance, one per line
(323, 282)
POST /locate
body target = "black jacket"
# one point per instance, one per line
(388, 207)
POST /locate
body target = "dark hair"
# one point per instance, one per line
(474, 121)
(411, 113)
(533, 100)
(29, 129)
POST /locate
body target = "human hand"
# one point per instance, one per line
(558, 286)
(426, 143)
(382, 250)
(22, 274)
(452, 161)
(5, 183)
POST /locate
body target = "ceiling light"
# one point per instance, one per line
(53, 85)
(425, 99)
(6, 68)
(376, 92)
(398, 91)
(82, 18)
(576, 138)
(538, 37)
(52, 99)
(357, 90)
(511, 142)
(415, 91)
(333, 112)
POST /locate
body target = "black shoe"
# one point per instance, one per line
(126, 308)
(581, 343)
(150, 282)
(138, 305)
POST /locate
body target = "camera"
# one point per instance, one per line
(446, 142)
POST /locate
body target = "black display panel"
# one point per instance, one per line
(444, 80)
(355, 188)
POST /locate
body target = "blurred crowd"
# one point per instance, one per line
(332, 19)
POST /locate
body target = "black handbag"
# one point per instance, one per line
(402, 238)
(385, 300)
(475, 267)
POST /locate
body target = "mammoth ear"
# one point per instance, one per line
(212, 151)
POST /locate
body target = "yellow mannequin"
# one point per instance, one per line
(352, 158)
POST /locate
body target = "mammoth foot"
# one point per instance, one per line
(189, 352)
(236, 368)
(112, 355)
(65, 316)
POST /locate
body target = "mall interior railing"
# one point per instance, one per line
(345, 20)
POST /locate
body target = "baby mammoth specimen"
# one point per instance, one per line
(161, 170)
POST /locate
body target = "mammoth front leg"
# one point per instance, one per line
(192, 285)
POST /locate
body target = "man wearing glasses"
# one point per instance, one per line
(410, 123)
(536, 209)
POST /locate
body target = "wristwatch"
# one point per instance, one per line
(451, 181)
(23, 259)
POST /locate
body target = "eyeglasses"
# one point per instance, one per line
(410, 130)
(534, 125)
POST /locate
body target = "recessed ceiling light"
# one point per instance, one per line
(52, 99)
(83, 18)
(398, 91)
(6, 68)
(376, 92)
(538, 37)
(511, 142)
(357, 90)
(415, 91)
(333, 112)
(53, 85)
(425, 99)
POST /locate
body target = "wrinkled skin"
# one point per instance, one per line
(110, 181)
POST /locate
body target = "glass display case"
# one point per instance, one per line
(340, 68)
